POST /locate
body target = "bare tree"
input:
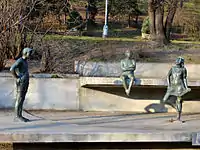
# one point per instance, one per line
(19, 21)
(156, 15)
(14, 16)
(159, 30)
(172, 7)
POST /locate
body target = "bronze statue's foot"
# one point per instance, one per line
(127, 92)
(179, 120)
(162, 103)
(176, 120)
(23, 119)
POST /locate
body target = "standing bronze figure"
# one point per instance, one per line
(128, 67)
(20, 71)
(177, 85)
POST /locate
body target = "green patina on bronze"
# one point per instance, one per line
(177, 85)
(20, 71)
(128, 67)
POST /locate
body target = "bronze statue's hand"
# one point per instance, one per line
(18, 80)
(189, 89)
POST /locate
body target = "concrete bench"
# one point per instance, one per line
(147, 74)
(101, 88)
(114, 81)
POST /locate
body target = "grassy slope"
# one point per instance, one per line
(87, 38)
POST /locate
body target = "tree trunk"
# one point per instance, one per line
(170, 17)
(129, 21)
(136, 19)
(160, 34)
(152, 18)
(181, 3)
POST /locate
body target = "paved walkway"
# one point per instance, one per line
(97, 126)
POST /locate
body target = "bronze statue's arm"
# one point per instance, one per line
(122, 65)
(13, 69)
(185, 83)
(14, 74)
(168, 77)
(185, 78)
(134, 64)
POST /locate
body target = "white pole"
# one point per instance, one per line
(105, 28)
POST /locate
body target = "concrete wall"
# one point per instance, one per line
(43, 93)
(67, 94)
(6, 92)
(143, 70)
(142, 99)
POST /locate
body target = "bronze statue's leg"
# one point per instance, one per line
(124, 83)
(165, 98)
(19, 102)
(18, 99)
(130, 85)
(179, 108)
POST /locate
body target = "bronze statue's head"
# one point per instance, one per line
(180, 61)
(27, 52)
(128, 53)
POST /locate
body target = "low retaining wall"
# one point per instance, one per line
(43, 93)
(143, 70)
(73, 93)
(66, 94)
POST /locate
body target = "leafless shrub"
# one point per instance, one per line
(47, 63)
(57, 56)
(2, 59)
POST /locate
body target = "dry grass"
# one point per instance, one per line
(65, 50)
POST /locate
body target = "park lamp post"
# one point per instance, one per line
(105, 27)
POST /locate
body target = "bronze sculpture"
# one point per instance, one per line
(20, 71)
(128, 67)
(177, 85)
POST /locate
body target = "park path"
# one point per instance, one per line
(51, 126)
